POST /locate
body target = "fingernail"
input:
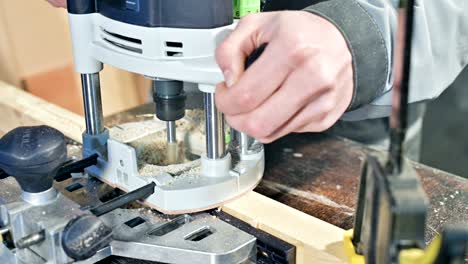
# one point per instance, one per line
(229, 78)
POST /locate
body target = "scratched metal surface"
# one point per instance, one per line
(319, 175)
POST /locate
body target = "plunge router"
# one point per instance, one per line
(172, 43)
(60, 210)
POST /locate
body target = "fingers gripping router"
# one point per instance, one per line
(170, 42)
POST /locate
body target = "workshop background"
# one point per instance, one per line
(36, 55)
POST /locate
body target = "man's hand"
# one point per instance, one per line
(303, 82)
(58, 3)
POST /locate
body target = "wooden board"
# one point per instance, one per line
(19, 108)
(316, 241)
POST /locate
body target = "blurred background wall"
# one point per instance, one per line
(36, 55)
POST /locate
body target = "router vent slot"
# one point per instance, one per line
(122, 37)
(174, 49)
(172, 44)
(174, 54)
(122, 46)
(122, 42)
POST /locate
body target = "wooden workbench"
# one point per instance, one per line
(324, 181)
(319, 175)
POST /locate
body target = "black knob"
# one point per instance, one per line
(170, 99)
(255, 55)
(33, 156)
(84, 236)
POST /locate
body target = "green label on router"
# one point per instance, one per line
(245, 7)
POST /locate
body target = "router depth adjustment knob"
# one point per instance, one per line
(33, 156)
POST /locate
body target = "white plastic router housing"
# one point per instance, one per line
(148, 51)
(169, 53)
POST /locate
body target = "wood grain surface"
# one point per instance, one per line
(319, 175)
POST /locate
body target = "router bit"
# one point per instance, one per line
(170, 99)
(172, 148)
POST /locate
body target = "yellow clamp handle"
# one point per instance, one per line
(350, 250)
(420, 256)
(407, 256)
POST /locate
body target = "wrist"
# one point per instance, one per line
(365, 43)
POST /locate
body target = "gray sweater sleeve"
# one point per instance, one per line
(440, 49)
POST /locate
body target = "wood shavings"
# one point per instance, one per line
(126, 133)
(175, 170)
(148, 138)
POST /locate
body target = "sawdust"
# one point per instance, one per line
(129, 132)
(151, 149)
(183, 169)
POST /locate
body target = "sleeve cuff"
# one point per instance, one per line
(366, 44)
